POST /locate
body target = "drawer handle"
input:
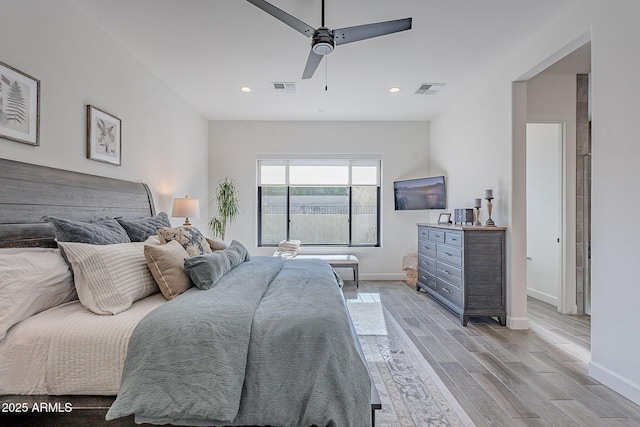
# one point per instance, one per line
(425, 277)
(446, 290)
(455, 239)
(448, 254)
(448, 272)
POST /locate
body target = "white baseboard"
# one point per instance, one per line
(618, 384)
(544, 297)
(518, 323)
(347, 274)
(383, 276)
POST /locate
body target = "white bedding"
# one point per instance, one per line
(69, 350)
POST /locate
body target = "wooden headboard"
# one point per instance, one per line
(28, 192)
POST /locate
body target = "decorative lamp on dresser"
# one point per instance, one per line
(464, 268)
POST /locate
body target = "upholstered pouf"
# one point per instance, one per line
(410, 267)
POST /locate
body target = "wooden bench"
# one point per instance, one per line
(339, 261)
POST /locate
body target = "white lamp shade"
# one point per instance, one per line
(186, 208)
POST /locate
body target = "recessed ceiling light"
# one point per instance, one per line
(394, 90)
(245, 89)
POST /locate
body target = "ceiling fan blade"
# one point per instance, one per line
(283, 16)
(312, 63)
(362, 32)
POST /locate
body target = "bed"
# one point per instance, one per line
(77, 358)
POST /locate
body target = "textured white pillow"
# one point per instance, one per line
(109, 278)
(31, 280)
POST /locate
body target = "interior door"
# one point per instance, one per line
(544, 210)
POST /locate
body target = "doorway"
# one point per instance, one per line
(573, 59)
(544, 193)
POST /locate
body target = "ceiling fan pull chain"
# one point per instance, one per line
(326, 72)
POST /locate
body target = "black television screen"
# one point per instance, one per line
(421, 193)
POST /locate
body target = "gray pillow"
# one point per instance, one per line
(104, 231)
(140, 229)
(206, 270)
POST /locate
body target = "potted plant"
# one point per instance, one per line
(228, 207)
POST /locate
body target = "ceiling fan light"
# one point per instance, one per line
(323, 48)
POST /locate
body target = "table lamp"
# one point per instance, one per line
(186, 208)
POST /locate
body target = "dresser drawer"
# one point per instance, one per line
(450, 292)
(426, 247)
(427, 278)
(423, 233)
(454, 239)
(436, 235)
(449, 254)
(449, 273)
(427, 263)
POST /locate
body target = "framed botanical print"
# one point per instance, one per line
(104, 136)
(19, 106)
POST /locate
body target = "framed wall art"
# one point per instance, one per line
(104, 138)
(19, 106)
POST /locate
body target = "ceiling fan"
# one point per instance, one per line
(324, 40)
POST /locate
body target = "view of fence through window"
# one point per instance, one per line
(321, 205)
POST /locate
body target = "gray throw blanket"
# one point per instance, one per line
(269, 344)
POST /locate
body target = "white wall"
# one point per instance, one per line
(164, 141)
(483, 120)
(551, 94)
(404, 147)
(615, 177)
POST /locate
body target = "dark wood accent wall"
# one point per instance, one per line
(28, 192)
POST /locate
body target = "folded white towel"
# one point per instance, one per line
(288, 248)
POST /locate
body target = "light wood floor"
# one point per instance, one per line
(503, 377)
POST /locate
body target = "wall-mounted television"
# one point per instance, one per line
(421, 193)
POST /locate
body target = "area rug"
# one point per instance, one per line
(410, 391)
(367, 315)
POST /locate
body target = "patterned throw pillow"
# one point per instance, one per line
(101, 232)
(189, 237)
(140, 229)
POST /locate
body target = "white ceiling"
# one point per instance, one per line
(205, 50)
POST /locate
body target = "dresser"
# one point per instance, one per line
(464, 268)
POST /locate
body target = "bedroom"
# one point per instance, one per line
(167, 153)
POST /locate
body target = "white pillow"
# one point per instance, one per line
(31, 280)
(109, 278)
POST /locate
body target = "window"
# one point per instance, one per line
(319, 200)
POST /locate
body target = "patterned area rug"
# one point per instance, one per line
(410, 391)
(366, 314)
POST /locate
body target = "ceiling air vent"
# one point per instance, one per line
(281, 87)
(429, 88)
